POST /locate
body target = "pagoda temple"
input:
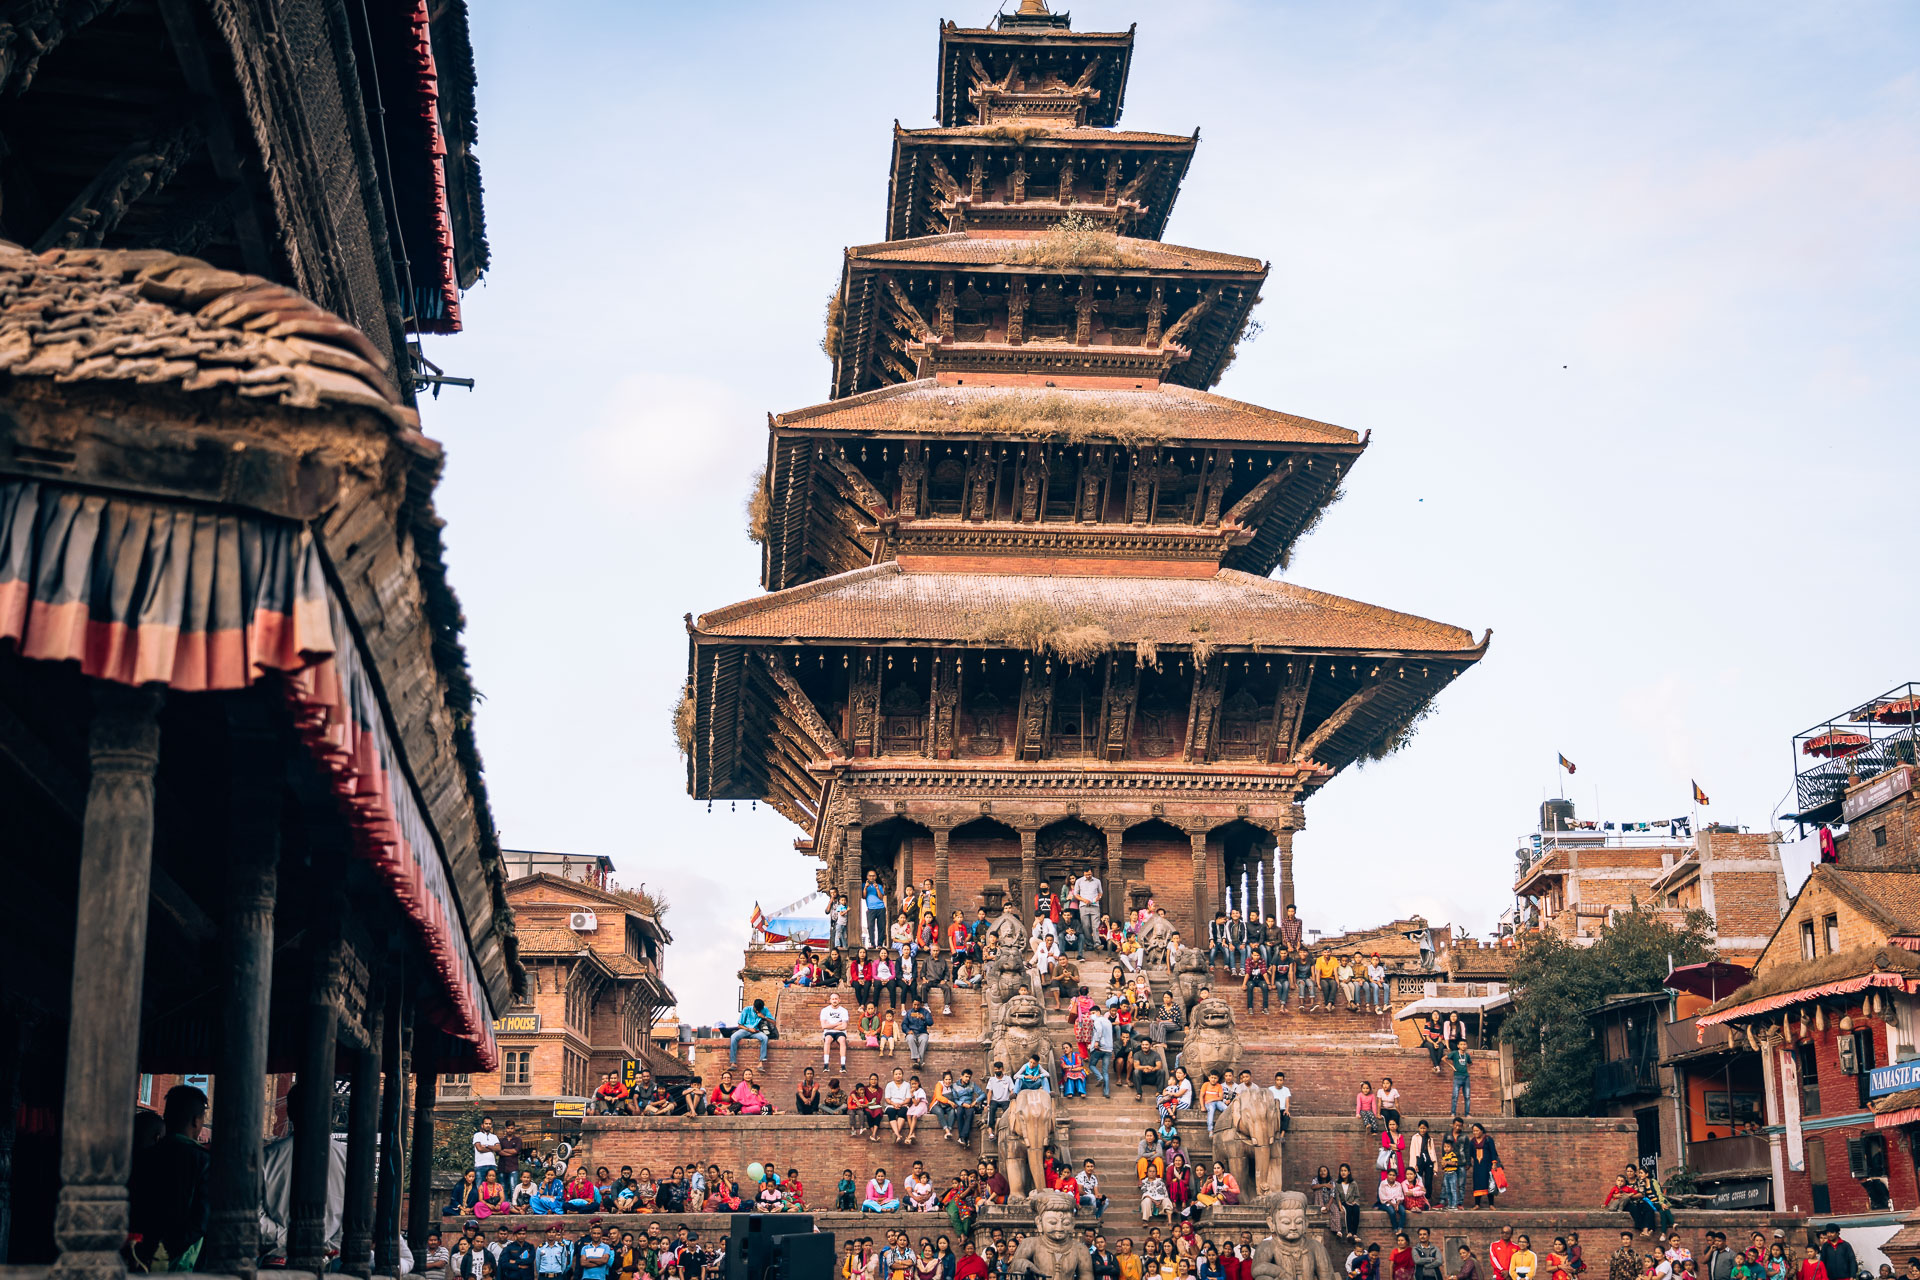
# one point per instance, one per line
(1018, 620)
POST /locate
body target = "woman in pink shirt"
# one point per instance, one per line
(748, 1098)
(1367, 1106)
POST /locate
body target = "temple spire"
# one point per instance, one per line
(1034, 9)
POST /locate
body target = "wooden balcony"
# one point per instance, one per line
(1679, 1039)
(1728, 1155)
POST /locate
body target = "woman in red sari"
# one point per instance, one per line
(1400, 1261)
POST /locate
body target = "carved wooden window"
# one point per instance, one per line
(1075, 719)
(903, 721)
(1243, 730)
(1160, 728)
(1049, 317)
(1127, 318)
(946, 487)
(1176, 492)
(983, 735)
(970, 318)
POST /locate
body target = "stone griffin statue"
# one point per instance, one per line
(1053, 1251)
(1023, 1132)
(1290, 1253)
(1191, 972)
(1248, 1142)
(1154, 937)
(1006, 974)
(1022, 1030)
(1213, 1043)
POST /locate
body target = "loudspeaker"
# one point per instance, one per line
(754, 1241)
(806, 1257)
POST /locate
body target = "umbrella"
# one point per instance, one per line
(1710, 978)
(1893, 711)
(1834, 743)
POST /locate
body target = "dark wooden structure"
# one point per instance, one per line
(245, 825)
(1019, 621)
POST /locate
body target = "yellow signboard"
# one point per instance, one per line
(569, 1109)
(516, 1024)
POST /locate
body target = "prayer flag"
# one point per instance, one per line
(1699, 796)
(1567, 765)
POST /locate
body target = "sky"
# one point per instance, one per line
(1626, 294)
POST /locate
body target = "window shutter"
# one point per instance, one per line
(1856, 1158)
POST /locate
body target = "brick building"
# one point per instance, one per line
(1830, 1001)
(594, 986)
(1574, 875)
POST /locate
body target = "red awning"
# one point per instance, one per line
(1834, 743)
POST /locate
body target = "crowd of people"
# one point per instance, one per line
(547, 1252)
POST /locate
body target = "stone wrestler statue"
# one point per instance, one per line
(1054, 1252)
(1290, 1254)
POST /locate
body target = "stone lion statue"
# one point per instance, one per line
(1022, 1030)
(1191, 973)
(1248, 1141)
(1213, 1042)
(1290, 1253)
(1154, 937)
(1006, 974)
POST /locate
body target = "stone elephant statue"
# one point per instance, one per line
(1249, 1142)
(1024, 1130)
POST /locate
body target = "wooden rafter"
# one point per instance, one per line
(854, 483)
(1257, 496)
(138, 170)
(801, 708)
(1341, 717)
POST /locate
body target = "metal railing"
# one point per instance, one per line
(1682, 1037)
(1623, 1079)
(1883, 743)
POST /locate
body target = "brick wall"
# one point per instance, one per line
(1816, 902)
(1898, 821)
(1839, 1097)
(1323, 1079)
(1551, 1163)
(1746, 904)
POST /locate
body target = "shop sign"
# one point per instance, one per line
(569, 1108)
(516, 1024)
(1893, 1077)
(1755, 1193)
(1894, 782)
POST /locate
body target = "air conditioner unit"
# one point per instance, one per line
(1849, 1065)
(583, 922)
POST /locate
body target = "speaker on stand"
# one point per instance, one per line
(778, 1246)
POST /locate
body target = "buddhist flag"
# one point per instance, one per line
(758, 920)
(1699, 796)
(1567, 765)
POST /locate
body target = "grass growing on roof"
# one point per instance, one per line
(1077, 241)
(836, 318)
(759, 507)
(1038, 628)
(1044, 414)
(1018, 134)
(683, 723)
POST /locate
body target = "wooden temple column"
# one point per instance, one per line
(253, 879)
(1270, 876)
(1029, 870)
(1197, 836)
(852, 854)
(313, 1123)
(363, 1126)
(1111, 888)
(426, 1081)
(394, 1050)
(942, 832)
(1296, 820)
(109, 959)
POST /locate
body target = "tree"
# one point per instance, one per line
(1555, 982)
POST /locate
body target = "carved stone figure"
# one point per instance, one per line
(1154, 936)
(1213, 1042)
(1054, 1250)
(1248, 1141)
(1191, 972)
(1290, 1254)
(1006, 972)
(1022, 1031)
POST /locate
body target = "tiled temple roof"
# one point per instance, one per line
(886, 602)
(150, 317)
(925, 407)
(1046, 133)
(960, 249)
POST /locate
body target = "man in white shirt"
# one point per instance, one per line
(1086, 896)
(486, 1149)
(833, 1026)
(1283, 1096)
(1089, 1193)
(897, 1093)
(999, 1094)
